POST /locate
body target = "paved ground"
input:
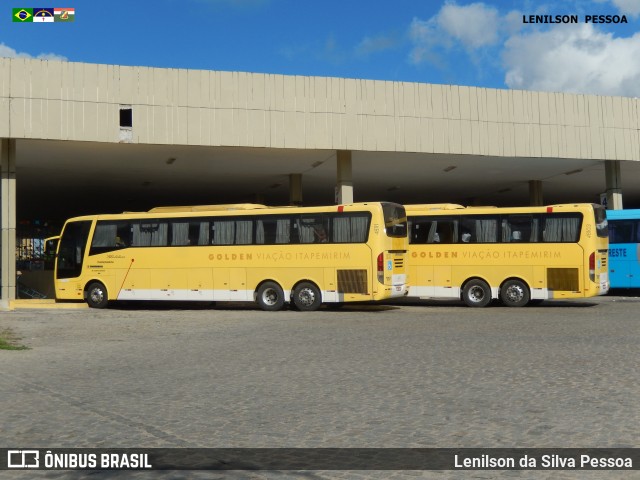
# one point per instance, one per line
(562, 374)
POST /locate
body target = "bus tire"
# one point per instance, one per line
(270, 297)
(97, 295)
(514, 293)
(476, 293)
(307, 297)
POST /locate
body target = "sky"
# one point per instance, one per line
(486, 44)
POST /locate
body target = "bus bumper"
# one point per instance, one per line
(604, 284)
(399, 290)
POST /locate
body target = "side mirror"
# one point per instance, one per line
(51, 246)
(50, 249)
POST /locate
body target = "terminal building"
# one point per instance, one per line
(80, 138)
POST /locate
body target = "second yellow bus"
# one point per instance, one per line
(518, 255)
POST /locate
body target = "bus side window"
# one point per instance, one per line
(198, 232)
(560, 228)
(109, 236)
(320, 234)
(265, 233)
(123, 234)
(447, 231)
(180, 233)
(519, 228)
(223, 231)
(312, 229)
(419, 229)
(150, 233)
(244, 232)
(273, 231)
(467, 230)
(623, 231)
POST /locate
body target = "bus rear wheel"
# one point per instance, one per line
(97, 295)
(270, 297)
(476, 293)
(307, 297)
(514, 293)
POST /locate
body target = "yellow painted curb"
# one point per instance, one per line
(43, 304)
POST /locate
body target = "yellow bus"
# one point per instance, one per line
(518, 255)
(244, 252)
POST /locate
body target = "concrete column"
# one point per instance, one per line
(613, 179)
(7, 222)
(295, 189)
(535, 193)
(344, 179)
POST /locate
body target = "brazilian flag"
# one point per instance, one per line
(23, 14)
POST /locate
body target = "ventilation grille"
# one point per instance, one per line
(352, 281)
(604, 257)
(565, 279)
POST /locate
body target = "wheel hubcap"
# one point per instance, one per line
(270, 296)
(306, 297)
(476, 294)
(515, 293)
(97, 295)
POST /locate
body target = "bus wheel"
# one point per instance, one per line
(476, 293)
(307, 297)
(97, 295)
(270, 297)
(514, 293)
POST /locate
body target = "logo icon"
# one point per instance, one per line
(23, 458)
(64, 14)
(43, 15)
(23, 14)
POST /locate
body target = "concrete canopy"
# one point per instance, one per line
(237, 137)
(59, 179)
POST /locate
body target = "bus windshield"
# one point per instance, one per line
(602, 226)
(395, 220)
(71, 249)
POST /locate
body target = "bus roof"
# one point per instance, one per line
(208, 208)
(224, 209)
(434, 206)
(525, 208)
(623, 214)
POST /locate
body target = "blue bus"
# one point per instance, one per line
(624, 248)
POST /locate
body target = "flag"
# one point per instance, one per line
(23, 14)
(64, 14)
(42, 14)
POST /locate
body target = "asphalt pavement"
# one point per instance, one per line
(405, 375)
